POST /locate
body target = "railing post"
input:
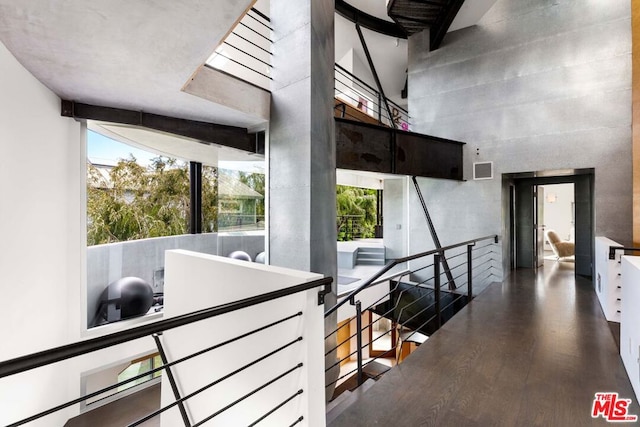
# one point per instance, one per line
(172, 381)
(359, 340)
(379, 109)
(469, 272)
(436, 288)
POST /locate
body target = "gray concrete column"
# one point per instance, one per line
(302, 148)
(302, 165)
(417, 50)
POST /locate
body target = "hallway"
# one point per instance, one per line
(530, 351)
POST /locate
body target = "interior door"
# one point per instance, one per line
(538, 196)
(524, 223)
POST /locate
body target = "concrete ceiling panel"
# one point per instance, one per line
(126, 54)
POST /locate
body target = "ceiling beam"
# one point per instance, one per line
(209, 133)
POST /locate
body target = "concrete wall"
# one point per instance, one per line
(395, 214)
(536, 85)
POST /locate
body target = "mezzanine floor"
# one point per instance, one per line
(530, 351)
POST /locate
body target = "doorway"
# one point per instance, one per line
(556, 208)
(533, 202)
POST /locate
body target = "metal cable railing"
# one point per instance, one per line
(417, 306)
(33, 361)
(246, 52)
(356, 94)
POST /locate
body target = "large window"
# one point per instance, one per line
(139, 206)
(143, 202)
(356, 212)
(241, 196)
(134, 194)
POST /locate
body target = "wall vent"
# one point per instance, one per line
(483, 170)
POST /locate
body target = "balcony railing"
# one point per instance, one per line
(246, 52)
(429, 289)
(357, 100)
(240, 222)
(228, 363)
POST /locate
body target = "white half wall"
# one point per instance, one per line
(41, 178)
(42, 249)
(196, 281)
(608, 282)
(630, 319)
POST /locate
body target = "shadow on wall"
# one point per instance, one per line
(145, 259)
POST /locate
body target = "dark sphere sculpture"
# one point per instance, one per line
(240, 255)
(126, 297)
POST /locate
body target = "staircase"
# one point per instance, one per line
(413, 307)
(417, 15)
(370, 256)
(418, 306)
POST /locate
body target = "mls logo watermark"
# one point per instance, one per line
(612, 408)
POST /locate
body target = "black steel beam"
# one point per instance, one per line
(369, 22)
(368, 147)
(210, 133)
(375, 75)
(436, 241)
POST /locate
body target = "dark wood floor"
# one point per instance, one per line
(532, 351)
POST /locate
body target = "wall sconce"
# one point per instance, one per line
(552, 197)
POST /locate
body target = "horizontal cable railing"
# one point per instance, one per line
(349, 227)
(357, 100)
(420, 298)
(236, 222)
(19, 365)
(246, 52)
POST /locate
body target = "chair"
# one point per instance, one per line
(561, 248)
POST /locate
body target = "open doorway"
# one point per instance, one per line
(563, 204)
(556, 204)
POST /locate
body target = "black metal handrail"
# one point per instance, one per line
(418, 305)
(613, 249)
(57, 354)
(381, 106)
(389, 265)
(368, 86)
